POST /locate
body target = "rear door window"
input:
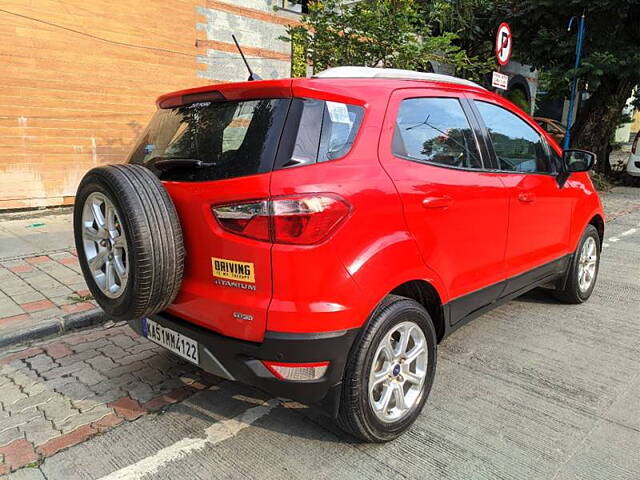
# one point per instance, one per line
(435, 130)
(518, 147)
(212, 140)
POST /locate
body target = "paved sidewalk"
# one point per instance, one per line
(37, 292)
(620, 201)
(35, 232)
(66, 390)
(40, 279)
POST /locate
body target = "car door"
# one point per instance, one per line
(540, 209)
(456, 210)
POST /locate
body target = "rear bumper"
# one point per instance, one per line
(240, 360)
(633, 166)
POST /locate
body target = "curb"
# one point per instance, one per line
(55, 327)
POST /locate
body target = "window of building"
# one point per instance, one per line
(296, 6)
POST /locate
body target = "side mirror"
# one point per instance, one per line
(578, 160)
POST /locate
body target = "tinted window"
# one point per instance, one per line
(518, 146)
(326, 130)
(435, 130)
(230, 139)
(556, 160)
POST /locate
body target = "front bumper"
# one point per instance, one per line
(240, 360)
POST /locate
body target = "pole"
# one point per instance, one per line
(574, 84)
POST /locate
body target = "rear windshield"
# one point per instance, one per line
(212, 140)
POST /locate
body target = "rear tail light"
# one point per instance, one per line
(299, 219)
(297, 371)
(634, 147)
(246, 219)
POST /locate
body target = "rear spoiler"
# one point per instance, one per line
(221, 92)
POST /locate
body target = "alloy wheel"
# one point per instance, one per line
(105, 245)
(398, 372)
(587, 264)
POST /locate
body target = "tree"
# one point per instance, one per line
(471, 20)
(611, 58)
(381, 33)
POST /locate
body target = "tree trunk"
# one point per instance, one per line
(598, 119)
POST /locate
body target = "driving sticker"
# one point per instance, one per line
(232, 270)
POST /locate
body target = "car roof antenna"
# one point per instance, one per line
(252, 76)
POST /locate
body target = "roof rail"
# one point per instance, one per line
(369, 72)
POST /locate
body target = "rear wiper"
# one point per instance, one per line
(181, 162)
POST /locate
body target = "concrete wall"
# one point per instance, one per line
(79, 79)
(259, 36)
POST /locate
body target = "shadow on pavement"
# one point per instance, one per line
(539, 295)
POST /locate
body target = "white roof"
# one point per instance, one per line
(369, 72)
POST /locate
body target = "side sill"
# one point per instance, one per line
(462, 310)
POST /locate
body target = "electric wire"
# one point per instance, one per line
(130, 45)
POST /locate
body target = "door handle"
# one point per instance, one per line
(436, 201)
(526, 197)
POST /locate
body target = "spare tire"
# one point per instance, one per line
(129, 241)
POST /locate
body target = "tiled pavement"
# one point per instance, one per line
(40, 289)
(68, 389)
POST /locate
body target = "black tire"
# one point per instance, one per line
(153, 236)
(356, 415)
(570, 291)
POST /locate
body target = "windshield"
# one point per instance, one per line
(212, 140)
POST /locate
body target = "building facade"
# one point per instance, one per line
(79, 79)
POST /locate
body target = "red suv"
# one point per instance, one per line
(318, 237)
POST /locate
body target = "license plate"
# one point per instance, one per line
(179, 344)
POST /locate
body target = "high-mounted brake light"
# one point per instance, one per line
(190, 98)
(634, 147)
(297, 371)
(299, 219)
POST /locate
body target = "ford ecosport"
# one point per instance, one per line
(318, 237)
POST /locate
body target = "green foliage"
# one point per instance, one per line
(298, 56)
(611, 46)
(381, 33)
(473, 21)
(610, 66)
(519, 98)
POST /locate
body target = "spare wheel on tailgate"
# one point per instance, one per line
(129, 241)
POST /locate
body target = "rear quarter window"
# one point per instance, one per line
(325, 131)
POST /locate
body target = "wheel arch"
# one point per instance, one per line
(598, 222)
(426, 295)
(393, 265)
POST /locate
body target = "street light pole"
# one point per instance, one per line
(574, 84)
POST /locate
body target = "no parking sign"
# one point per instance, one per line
(504, 43)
